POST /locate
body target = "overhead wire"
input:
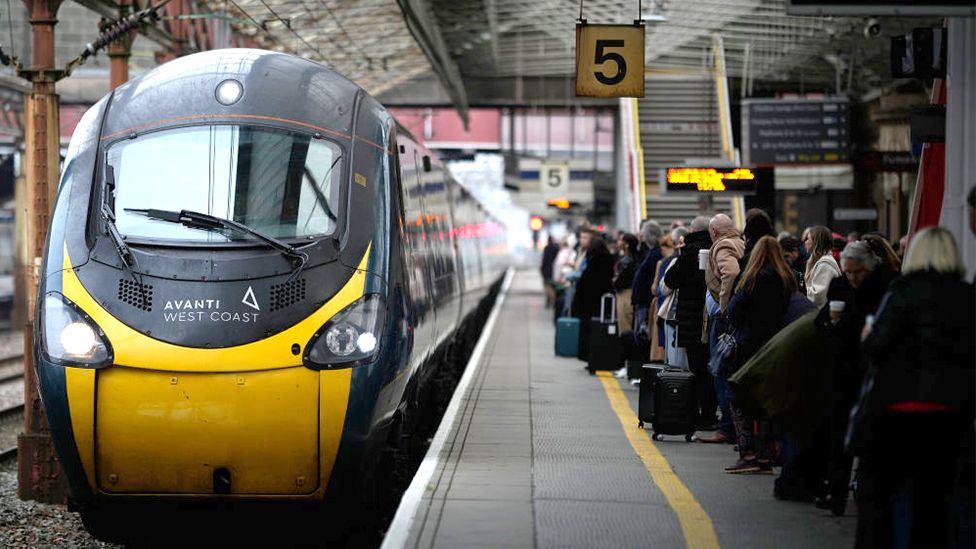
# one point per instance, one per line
(287, 25)
(343, 30)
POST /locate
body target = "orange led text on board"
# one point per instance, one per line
(708, 179)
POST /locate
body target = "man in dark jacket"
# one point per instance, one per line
(689, 281)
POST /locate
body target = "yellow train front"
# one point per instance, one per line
(249, 269)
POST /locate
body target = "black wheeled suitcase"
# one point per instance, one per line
(666, 401)
(645, 393)
(604, 337)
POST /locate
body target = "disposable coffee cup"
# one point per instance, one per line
(836, 308)
(702, 259)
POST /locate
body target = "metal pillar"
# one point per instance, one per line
(38, 468)
(120, 51)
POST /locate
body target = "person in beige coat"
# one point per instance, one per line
(821, 266)
(723, 259)
(721, 270)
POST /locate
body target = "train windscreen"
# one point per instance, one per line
(284, 184)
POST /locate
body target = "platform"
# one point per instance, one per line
(535, 452)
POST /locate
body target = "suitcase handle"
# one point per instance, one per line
(603, 308)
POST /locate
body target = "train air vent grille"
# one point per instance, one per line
(138, 295)
(287, 294)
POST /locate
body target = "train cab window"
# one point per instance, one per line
(284, 184)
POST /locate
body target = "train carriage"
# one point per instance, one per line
(250, 266)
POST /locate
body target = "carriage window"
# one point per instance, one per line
(284, 184)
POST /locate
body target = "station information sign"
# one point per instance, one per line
(609, 60)
(711, 180)
(795, 131)
(881, 7)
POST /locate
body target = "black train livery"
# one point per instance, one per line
(248, 267)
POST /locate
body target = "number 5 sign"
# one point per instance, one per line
(554, 178)
(609, 60)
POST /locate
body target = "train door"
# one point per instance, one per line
(426, 245)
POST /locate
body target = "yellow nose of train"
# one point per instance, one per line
(244, 421)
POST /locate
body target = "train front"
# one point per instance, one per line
(213, 279)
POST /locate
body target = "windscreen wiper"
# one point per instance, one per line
(113, 232)
(199, 220)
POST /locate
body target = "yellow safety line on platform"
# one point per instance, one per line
(695, 523)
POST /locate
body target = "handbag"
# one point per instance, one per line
(723, 358)
(861, 422)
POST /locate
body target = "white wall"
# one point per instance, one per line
(961, 136)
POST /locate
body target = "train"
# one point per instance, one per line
(251, 271)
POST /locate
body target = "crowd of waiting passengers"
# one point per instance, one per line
(846, 348)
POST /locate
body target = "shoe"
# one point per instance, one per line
(717, 438)
(743, 466)
(635, 382)
(837, 506)
(621, 373)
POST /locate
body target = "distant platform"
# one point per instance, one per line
(535, 452)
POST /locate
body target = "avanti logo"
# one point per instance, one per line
(250, 300)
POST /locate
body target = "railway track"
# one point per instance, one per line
(11, 404)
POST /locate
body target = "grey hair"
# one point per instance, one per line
(678, 233)
(860, 252)
(651, 232)
(699, 223)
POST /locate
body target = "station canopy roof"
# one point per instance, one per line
(383, 43)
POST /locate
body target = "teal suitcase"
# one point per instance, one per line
(567, 336)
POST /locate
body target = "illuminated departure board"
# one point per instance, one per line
(711, 180)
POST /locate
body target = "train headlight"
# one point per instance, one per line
(351, 337)
(69, 337)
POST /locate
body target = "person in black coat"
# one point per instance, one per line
(689, 281)
(548, 257)
(596, 280)
(758, 225)
(917, 406)
(756, 313)
(864, 283)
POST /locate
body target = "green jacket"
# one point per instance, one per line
(790, 378)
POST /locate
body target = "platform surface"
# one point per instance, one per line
(542, 454)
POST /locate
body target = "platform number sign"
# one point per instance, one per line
(554, 178)
(609, 60)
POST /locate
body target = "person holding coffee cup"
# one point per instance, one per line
(836, 308)
(849, 300)
(689, 281)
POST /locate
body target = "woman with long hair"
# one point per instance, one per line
(881, 248)
(756, 313)
(915, 415)
(821, 265)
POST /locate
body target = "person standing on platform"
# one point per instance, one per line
(762, 295)
(721, 270)
(917, 404)
(791, 253)
(860, 290)
(668, 308)
(689, 281)
(623, 280)
(548, 259)
(642, 292)
(595, 280)
(821, 266)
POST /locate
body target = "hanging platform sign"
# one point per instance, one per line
(554, 178)
(609, 60)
